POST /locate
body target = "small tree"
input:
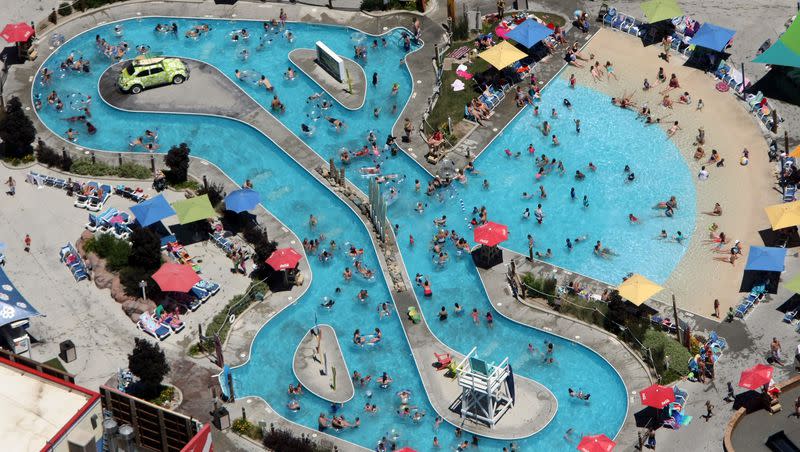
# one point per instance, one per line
(148, 363)
(215, 192)
(16, 131)
(263, 247)
(145, 249)
(177, 160)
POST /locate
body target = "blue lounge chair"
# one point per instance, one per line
(121, 231)
(715, 339)
(208, 285)
(93, 223)
(149, 325)
(200, 294)
(790, 316)
(60, 183)
(608, 19)
(789, 193)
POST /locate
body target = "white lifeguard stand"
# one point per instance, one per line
(487, 390)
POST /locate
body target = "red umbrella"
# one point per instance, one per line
(284, 258)
(14, 33)
(756, 377)
(173, 277)
(657, 396)
(596, 443)
(406, 449)
(490, 234)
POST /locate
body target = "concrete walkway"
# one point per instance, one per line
(305, 60)
(320, 367)
(630, 367)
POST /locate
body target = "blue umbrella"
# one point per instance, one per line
(152, 211)
(242, 200)
(766, 258)
(529, 33)
(712, 37)
(13, 306)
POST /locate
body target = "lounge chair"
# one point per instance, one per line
(81, 201)
(96, 203)
(209, 286)
(172, 322)
(443, 360)
(121, 231)
(467, 114)
(93, 223)
(790, 316)
(201, 294)
(60, 183)
(715, 339)
(755, 100)
(608, 19)
(789, 193)
(50, 180)
(150, 326)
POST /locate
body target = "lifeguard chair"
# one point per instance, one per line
(487, 390)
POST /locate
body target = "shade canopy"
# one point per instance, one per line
(501, 55)
(658, 10)
(713, 37)
(242, 200)
(193, 209)
(284, 258)
(596, 443)
(784, 215)
(786, 50)
(152, 211)
(490, 234)
(174, 277)
(657, 396)
(766, 258)
(637, 289)
(13, 306)
(19, 32)
(756, 376)
(529, 33)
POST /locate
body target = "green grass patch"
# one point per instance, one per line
(246, 428)
(84, 167)
(55, 363)
(165, 397)
(191, 184)
(17, 161)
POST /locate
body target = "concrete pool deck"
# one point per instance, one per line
(305, 59)
(316, 369)
(536, 406)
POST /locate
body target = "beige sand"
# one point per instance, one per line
(743, 191)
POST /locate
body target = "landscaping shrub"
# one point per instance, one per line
(661, 345)
(278, 439)
(148, 363)
(257, 237)
(83, 166)
(64, 9)
(16, 131)
(130, 276)
(177, 160)
(238, 304)
(115, 251)
(47, 155)
(145, 249)
(244, 427)
(133, 171)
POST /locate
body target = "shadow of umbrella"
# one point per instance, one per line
(752, 278)
(648, 417)
(780, 83)
(790, 304)
(750, 400)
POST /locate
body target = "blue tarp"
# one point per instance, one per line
(152, 211)
(242, 200)
(712, 37)
(529, 33)
(766, 258)
(13, 306)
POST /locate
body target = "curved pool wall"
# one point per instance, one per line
(244, 153)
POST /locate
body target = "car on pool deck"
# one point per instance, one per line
(141, 73)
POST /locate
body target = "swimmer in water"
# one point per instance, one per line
(339, 124)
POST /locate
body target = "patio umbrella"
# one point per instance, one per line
(174, 277)
(756, 376)
(712, 37)
(19, 32)
(658, 10)
(793, 284)
(529, 33)
(657, 396)
(284, 258)
(766, 258)
(637, 289)
(490, 234)
(152, 211)
(784, 215)
(501, 55)
(406, 449)
(786, 50)
(596, 443)
(193, 209)
(795, 152)
(242, 200)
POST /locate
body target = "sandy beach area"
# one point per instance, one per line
(742, 191)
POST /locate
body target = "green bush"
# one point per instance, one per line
(661, 345)
(460, 30)
(279, 439)
(238, 304)
(130, 277)
(84, 167)
(64, 9)
(215, 192)
(188, 184)
(244, 427)
(539, 287)
(133, 171)
(110, 248)
(165, 397)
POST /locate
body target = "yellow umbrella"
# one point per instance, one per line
(501, 55)
(795, 152)
(784, 215)
(637, 289)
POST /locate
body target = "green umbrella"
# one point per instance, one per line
(193, 209)
(793, 284)
(658, 10)
(786, 50)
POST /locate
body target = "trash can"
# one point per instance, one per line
(68, 353)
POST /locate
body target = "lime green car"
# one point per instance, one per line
(141, 73)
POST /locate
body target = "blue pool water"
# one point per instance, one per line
(292, 194)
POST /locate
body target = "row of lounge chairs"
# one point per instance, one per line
(93, 196)
(43, 180)
(135, 194)
(111, 221)
(491, 97)
(222, 240)
(756, 295)
(161, 324)
(677, 418)
(624, 23)
(177, 252)
(70, 257)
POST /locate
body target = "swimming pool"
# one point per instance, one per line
(291, 194)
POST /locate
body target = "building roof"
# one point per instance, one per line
(38, 409)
